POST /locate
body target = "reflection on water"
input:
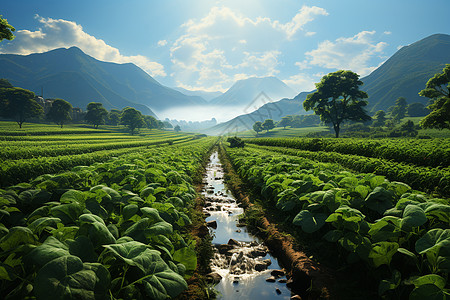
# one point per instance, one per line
(242, 261)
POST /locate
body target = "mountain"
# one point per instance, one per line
(72, 75)
(205, 95)
(246, 91)
(406, 73)
(272, 110)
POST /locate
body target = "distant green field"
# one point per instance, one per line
(280, 132)
(38, 149)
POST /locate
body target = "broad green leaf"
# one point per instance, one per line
(49, 250)
(152, 214)
(399, 188)
(40, 224)
(129, 211)
(83, 248)
(380, 200)
(72, 196)
(413, 216)
(38, 213)
(68, 213)
(310, 222)
(383, 230)
(67, 277)
(137, 230)
(96, 208)
(429, 292)
(176, 201)
(362, 190)
(135, 254)
(187, 257)
(390, 284)
(406, 252)
(7, 272)
(111, 192)
(163, 282)
(333, 235)
(17, 236)
(63, 233)
(382, 253)
(288, 200)
(376, 181)
(159, 228)
(432, 240)
(94, 227)
(439, 211)
(430, 279)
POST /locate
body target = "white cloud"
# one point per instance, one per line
(58, 33)
(305, 15)
(387, 32)
(162, 43)
(354, 53)
(224, 44)
(300, 82)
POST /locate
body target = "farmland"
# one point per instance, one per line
(116, 209)
(377, 207)
(101, 213)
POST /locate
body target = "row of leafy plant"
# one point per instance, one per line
(112, 230)
(41, 149)
(15, 171)
(402, 236)
(432, 180)
(432, 153)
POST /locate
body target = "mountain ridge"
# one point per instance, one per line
(244, 91)
(115, 85)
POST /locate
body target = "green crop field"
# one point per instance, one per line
(381, 205)
(114, 208)
(100, 205)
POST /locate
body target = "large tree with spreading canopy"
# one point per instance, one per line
(337, 99)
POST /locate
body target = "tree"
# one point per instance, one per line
(399, 110)
(438, 90)
(4, 83)
(268, 125)
(96, 114)
(338, 99)
(19, 104)
(160, 124)
(114, 117)
(177, 128)
(167, 124)
(380, 118)
(60, 112)
(235, 142)
(6, 30)
(285, 121)
(257, 127)
(151, 122)
(409, 128)
(132, 118)
(417, 109)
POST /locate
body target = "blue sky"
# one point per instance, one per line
(208, 45)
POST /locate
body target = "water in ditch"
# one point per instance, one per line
(242, 261)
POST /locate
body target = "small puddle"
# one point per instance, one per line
(241, 260)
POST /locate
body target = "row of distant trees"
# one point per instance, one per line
(20, 104)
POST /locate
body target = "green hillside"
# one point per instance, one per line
(406, 73)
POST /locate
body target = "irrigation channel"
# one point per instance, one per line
(245, 267)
